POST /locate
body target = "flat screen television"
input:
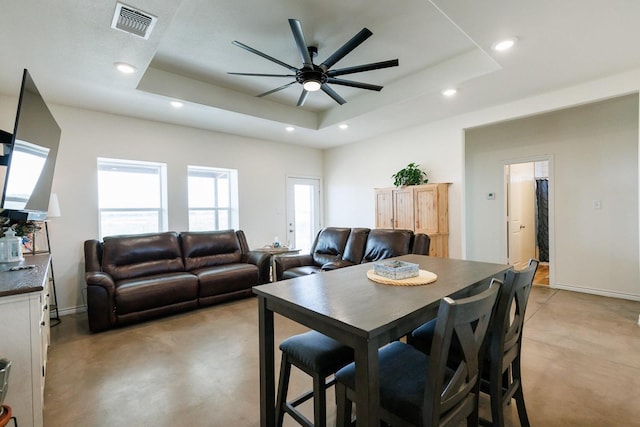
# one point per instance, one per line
(31, 158)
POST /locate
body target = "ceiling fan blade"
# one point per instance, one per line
(365, 67)
(346, 48)
(264, 55)
(303, 97)
(332, 93)
(351, 83)
(262, 75)
(298, 35)
(276, 89)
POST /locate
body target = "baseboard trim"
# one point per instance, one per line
(601, 292)
(72, 310)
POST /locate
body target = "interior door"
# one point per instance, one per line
(303, 212)
(520, 213)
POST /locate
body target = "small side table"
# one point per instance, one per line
(275, 252)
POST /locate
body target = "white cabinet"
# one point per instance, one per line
(24, 337)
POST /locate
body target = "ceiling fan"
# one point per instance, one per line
(314, 77)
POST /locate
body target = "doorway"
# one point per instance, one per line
(527, 215)
(303, 212)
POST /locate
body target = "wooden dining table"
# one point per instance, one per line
(363, 314)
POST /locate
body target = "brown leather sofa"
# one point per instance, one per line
(336, 247)
(132, 278)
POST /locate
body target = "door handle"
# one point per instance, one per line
(522, 226)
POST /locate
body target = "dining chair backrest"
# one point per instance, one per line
(451, 391)
(506, 330)
(502, 375)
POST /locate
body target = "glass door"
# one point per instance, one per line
(303, 212)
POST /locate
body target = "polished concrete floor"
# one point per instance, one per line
(581, 367)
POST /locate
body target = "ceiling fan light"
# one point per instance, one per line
(311, 85)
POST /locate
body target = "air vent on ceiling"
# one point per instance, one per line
(133, 21)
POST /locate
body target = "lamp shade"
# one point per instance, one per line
(54, 207)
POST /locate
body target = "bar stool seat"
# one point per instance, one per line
(320, 357)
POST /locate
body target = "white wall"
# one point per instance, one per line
(352, 171)
(594, 152)
(262, 169)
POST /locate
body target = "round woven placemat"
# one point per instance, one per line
(424, 277)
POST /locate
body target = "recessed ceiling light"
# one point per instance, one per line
(125, 68)
(449, 92)
(503, 45)
(177, 104)
(290, 128)
(344, 126)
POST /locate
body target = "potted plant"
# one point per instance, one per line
(410, 175)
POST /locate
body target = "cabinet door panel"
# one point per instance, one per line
(427, 210)
(404, 216)
(384, 209)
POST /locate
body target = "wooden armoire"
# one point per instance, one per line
(420, 208)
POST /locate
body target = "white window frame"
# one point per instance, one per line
(131, 166)
(231, 210)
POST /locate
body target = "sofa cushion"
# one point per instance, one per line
(210, 248)
(301, 271)
(329, 245)
(354, 249)
(225, 278)
(383, 243)
(139, 294)
(128, 257)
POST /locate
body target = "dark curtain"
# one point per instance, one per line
(542, 218)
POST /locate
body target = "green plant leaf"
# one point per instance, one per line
(410, 175)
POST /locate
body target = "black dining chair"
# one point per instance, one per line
(421, 390)
(501, 372)
(320, 357)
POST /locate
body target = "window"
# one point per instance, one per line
(131, 197)
(213, 199)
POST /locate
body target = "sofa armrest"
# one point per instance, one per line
(98, 278)
(336, 264)
(263, 261)
(284, 263)
(92, 255)
(100, 301)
